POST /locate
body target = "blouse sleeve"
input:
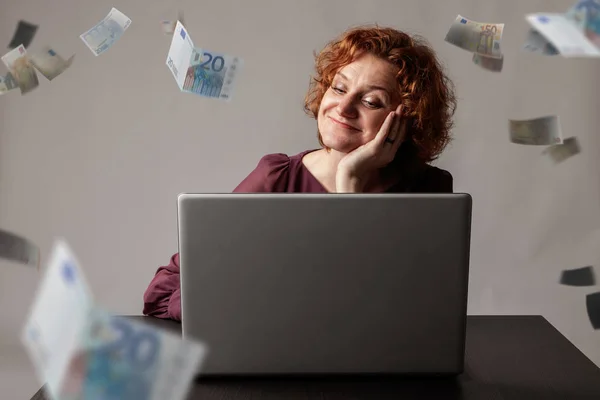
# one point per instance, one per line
(162, 298)
(270, 175)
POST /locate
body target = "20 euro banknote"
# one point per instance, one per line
(200, 71)
(56, 319)
(118, 358)
(565, 36)
(106, 32)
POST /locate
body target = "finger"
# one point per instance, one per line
(401, 135)
(385, 129)
(393, 133)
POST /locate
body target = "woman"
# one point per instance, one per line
(384, 110)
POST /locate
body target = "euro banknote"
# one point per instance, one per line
(488, 63)
(585, 14)
(57, 317)
(16, 248)
(566, 36)
(7, 83)
(18, 63)
(560, 152)
(24, 34)
(200, 71)
(83, 352)
(106, 32)
(49, 62)
(476, 37)
(539, 131)
(118, 358)
(536, 43)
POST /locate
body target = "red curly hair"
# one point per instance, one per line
(427, 94)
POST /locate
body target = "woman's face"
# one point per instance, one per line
(362, 94)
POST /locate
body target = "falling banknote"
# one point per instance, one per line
(489, 63)
(585, 14)
(566, 36)
(118, 358)
(200, 71)
(49, 63)
(22, 70)
(537, 132)
(7, 83)
(23, 34)
(536, 43)
(102, 36)
(16, 248)
(476, 37)
(82, 352)
(57, 316)
(560, 152)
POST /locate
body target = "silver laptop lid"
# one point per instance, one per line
(326, 283)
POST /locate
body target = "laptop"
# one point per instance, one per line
(286, 284)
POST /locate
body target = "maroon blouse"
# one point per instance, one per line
(278, 173)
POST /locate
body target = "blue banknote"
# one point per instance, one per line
(122, 359)
(211, 74)
(586, 14)
(102, 36)
(199, 71)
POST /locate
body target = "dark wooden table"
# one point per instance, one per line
(507, 357)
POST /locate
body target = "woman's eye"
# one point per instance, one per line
(371, 104)
(338, 90)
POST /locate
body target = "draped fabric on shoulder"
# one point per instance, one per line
(271, 175)
(162, 298)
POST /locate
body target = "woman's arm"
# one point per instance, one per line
(162, 298)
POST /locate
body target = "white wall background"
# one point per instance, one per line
(99, 155)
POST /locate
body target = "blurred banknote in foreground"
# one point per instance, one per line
(200, 71)
(59, 312)
(83, 352)
(538, 131)
(124, 359)
(489, 63)
(49, 63)
(102, 36)
(20, 67)
(7, 83)
(18, 249)
(560, 152)
(565, 36)
(476, 37)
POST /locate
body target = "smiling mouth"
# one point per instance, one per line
(343, 124)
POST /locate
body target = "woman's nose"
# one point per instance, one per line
(346, 107)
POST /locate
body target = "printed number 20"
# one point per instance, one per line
(212, 62)
(132, 344)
